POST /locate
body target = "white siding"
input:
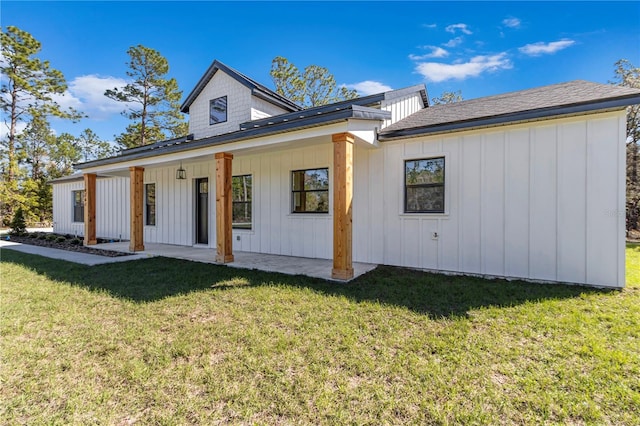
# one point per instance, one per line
(541, 201)
(238, 106)
(263, 109)
(401, 107)
(175, 201)
(275, 229)
(112, 208)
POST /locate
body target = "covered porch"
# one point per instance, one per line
(276, 226)
(290, 265)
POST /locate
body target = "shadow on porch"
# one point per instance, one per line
(290, 265)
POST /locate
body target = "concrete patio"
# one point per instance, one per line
(317, 268)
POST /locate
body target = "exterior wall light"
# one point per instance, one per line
(181, 173)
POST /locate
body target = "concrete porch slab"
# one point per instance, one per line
(290, 265)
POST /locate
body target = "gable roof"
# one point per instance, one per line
(565, 98)
(256, 88)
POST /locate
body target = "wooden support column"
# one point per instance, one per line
(90, 209)
(224, 251)
(342, 200)
(136, 178)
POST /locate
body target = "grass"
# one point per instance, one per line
(165, 341)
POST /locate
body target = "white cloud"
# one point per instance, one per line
(462, 27)
(4, 128)
(511, 22)
(437, 72)
(430, 25)
(369, 87)
(542, 48)
(436, 52)
(453, 42)
(86, 94)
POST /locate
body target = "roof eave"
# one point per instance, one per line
(356, 112)
(537, 114)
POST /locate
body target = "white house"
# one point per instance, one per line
(528, 185)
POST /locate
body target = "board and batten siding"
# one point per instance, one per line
(275, 229)
(112, 208)
(541, 201)
(175, 203)
(401, 107)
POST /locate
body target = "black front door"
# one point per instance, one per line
(202, 211)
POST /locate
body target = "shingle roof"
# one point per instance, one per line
(257, 89)
(564, 98)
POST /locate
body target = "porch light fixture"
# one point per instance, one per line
(181, 173)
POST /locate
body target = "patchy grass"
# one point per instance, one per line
(166, 341)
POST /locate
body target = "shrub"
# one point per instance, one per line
(18, 225)
(42, 236)
(75, 241)
(51, 237)
(61, 239)
(34, 235)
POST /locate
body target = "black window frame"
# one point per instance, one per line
(235, 203)
(305, 191)
(226, 110)
(150, 214)
(78, 208)
(426, 185)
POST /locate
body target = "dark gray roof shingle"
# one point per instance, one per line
(564, 98)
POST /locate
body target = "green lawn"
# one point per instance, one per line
(164, 341)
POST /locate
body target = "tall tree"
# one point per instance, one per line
(314, 86)
(63, 155)
(27, 88)
(34, 145)
(152, 99)
(91, 147)
(625, 74)
(447, 98)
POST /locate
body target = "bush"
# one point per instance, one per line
(34, 235)
(42, 236)
(18, 225)
(51, 237)
(75, 241)
(61, 239)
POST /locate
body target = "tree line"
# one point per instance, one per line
(33, 154)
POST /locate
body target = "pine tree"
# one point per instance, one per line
(152, 99)
(315, 86)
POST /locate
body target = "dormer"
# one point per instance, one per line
(224, 98)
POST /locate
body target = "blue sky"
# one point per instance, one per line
(480, 48)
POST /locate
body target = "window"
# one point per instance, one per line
(424, 186)
(150, 204)
(218, 110)
(78, 206)
(241, 200)
(310, 191)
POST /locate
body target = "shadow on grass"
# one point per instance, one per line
(435, 295)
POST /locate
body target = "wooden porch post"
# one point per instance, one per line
(342, 199)
(224, 251)
(90, 209)
(136, 178)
